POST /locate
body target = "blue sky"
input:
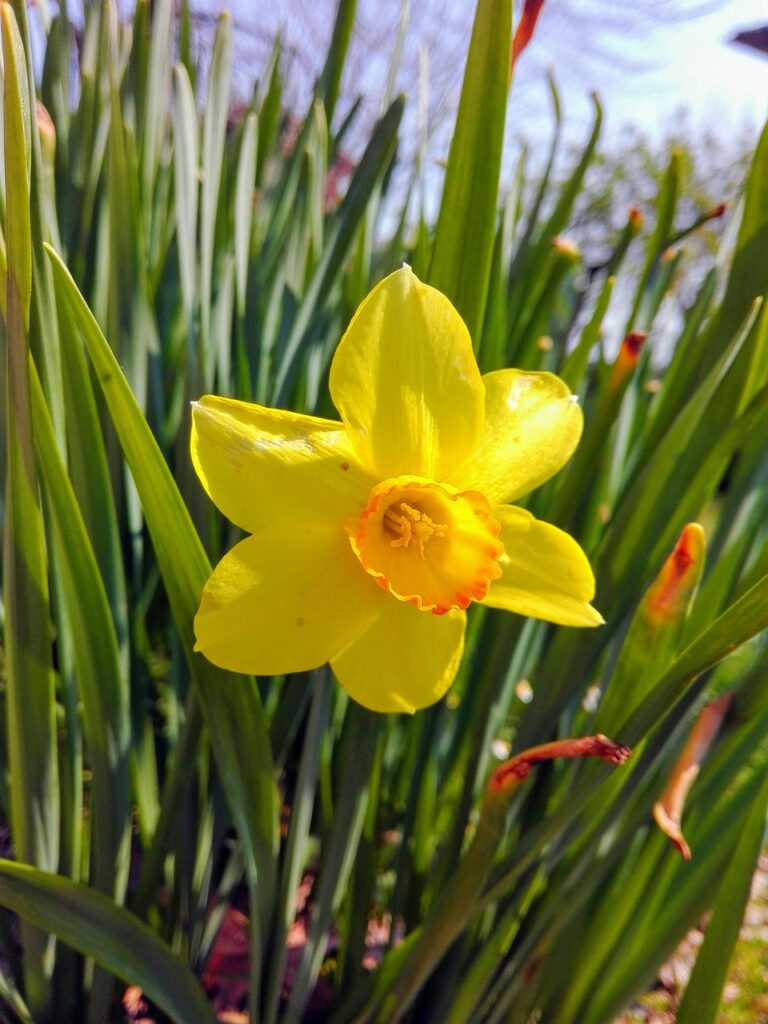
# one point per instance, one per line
(688, 63)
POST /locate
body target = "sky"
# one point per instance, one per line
(644, 72)
(689, 63)
(643, 76)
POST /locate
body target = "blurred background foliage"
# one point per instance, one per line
(169, 822)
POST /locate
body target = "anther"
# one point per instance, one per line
(412, 526)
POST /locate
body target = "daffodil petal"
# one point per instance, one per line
(262, 466)
(545, 574)
(532, 425)
(285, 601)
(406, 383)
(405, 660)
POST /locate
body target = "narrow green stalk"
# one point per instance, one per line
(460, 898)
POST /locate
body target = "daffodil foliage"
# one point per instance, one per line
(215, 807)
(370, 537)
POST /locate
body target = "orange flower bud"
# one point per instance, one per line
(668, 596)
(668, 811)
(626, 360)
(636, 218)
(525, 27)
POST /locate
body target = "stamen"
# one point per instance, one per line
(409, 512)
(412, 525)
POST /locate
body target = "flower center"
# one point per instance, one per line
(411, 525)
(428, 543)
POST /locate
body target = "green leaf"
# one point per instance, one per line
(30, 701)
(748, 277)
(269, 111)
(102, 686)
(666, 203)
(295, 856)
(463, 249)
(230, 704)
(186, 168)
(214, 133)
(244, 200)
(741, 621)
(373, 165)
(558, 219)
(156, 99)
(17, 159)
(93, 925)
(575, 366)
(330, 79)
(361, 728)
(703, 993)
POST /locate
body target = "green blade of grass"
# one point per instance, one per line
(703, 993)
(244, 200)
(269, 111)
(298, 837)
(156, 97)
(373, 165)
(748, 277)
(330, 79)
(30, 701)
(666, 204)
(100, 680)
(92, 924)
(186, 162)
(463, 248)
(230, 704)
(357, 751)
(683, 893)
(214, 132)
(575, 366)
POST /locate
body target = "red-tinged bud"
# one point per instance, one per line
(668, 596)
(717, 211)
(668, 811)
(636, 218)
(519, 767)
(626, 360)
(525, 27)
(565, 247)
(633, 342)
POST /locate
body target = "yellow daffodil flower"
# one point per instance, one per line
(371, 536)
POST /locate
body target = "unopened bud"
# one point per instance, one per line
(717, 211)
(636, 218)
(566, 247)
(669, 594)
(668, 811)
(519, 767)
(47, 131)
(626, 360)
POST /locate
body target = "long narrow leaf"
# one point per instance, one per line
(463, 249)
(92, 924)
(32, 757)
(231, 705)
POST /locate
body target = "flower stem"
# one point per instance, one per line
(459, 900)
